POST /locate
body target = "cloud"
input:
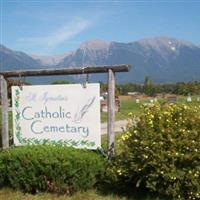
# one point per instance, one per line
(54, 39)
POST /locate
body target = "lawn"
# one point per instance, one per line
(9, 194)
(127, 106)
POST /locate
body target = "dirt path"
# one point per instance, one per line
(119, 126)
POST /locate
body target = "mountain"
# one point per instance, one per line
(13, 60)
(92, 52)
(164, 59)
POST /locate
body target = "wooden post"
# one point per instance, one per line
(4, 111)
(111, 113)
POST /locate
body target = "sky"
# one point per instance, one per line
(50, 27)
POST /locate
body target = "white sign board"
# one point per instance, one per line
(57, 114)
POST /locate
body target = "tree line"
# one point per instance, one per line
(149, 88)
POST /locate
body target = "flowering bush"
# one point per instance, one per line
(161, 151)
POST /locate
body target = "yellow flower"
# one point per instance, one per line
(130, 114)
(119, 172)
(145, 156)
(185, 107)
(150, 122)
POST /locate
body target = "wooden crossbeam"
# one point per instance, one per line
(67, 71)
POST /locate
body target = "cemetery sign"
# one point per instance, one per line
(57, 114)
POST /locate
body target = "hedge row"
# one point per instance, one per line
(49, 168)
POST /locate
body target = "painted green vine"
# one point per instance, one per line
(35, 141)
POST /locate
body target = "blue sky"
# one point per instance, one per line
(55, 27)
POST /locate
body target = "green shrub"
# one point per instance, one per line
(49, 168)
(162, 152)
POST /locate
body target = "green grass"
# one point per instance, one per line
(127, 106)
(182, 99)
(9, 194)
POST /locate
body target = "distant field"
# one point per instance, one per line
(129, 105)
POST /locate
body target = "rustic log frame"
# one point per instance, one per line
(110, 69)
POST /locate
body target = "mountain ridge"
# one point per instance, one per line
(165, 59)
